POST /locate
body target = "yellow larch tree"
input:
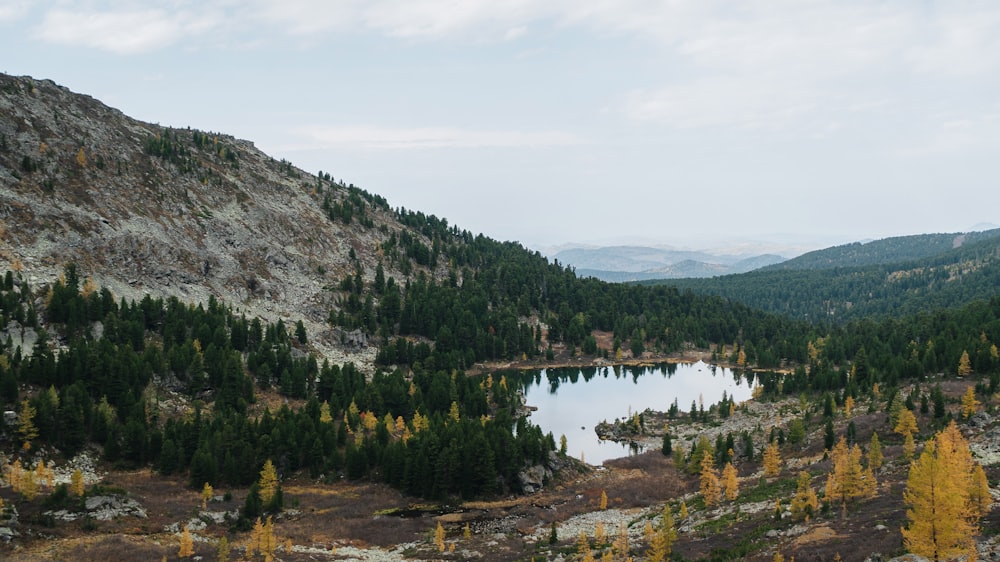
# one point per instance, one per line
(268, 543)
(604, 500)
(187, 544)
(439, 537)
(730, 482)
(255, 539)
(874, 452)
(206, 494)
(848, 406)
(943, 519)
(76, 483)
(81, 157)
(15, 473)
(772, 460)
(969, 403)
(267, 485)
(683, 511)
(804, 503)
(907, 426)
(324, 412)
(621, 545)
(223, 550)
(980, 499)
(661, 540)
(583, 547)
(28, 485)
(848, 480)
(710, 489)
(964, 364)
(42, 474)
(26, 424)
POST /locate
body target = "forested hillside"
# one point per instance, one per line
(946, 279)
(899, 249)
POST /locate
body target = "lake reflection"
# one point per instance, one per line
(571, 402)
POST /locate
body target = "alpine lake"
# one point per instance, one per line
(572, 401)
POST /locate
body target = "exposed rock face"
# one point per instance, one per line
(105, 508)
(533, 478)
(146, 210)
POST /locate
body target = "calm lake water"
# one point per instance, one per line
(571, 402)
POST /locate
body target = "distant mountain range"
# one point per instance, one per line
(891, 277)
(644, 263)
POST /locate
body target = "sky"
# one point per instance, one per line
(688, 123)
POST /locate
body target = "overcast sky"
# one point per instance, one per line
(545, 122)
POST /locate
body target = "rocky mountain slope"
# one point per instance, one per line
(144, 209)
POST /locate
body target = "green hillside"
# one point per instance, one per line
(893, 287)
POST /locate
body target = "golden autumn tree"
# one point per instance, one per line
(772, 460)
(804, 503)
(730, 482)
(964, 364)
(28, 485)
(206, 494)
(710, 488)
(268, 543)
(661, 539)
(583, 547)
(621, 544)
(847, 480)
(979, 492)
(683, 511)
(969, 403)
(223, 550)
(187, 544)
(439, 537)
(76, 483)
(255, 539)
(26, 424)
(81, 158)
(874, 452)
(267, 485)
(943, 519)
(907, 426)
(324, 412)
(604, 500)
(848, 406)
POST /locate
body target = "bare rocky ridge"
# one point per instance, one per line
(77, 184)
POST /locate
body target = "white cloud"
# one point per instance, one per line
(13, 10)
(123, 32)
(384, 138)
